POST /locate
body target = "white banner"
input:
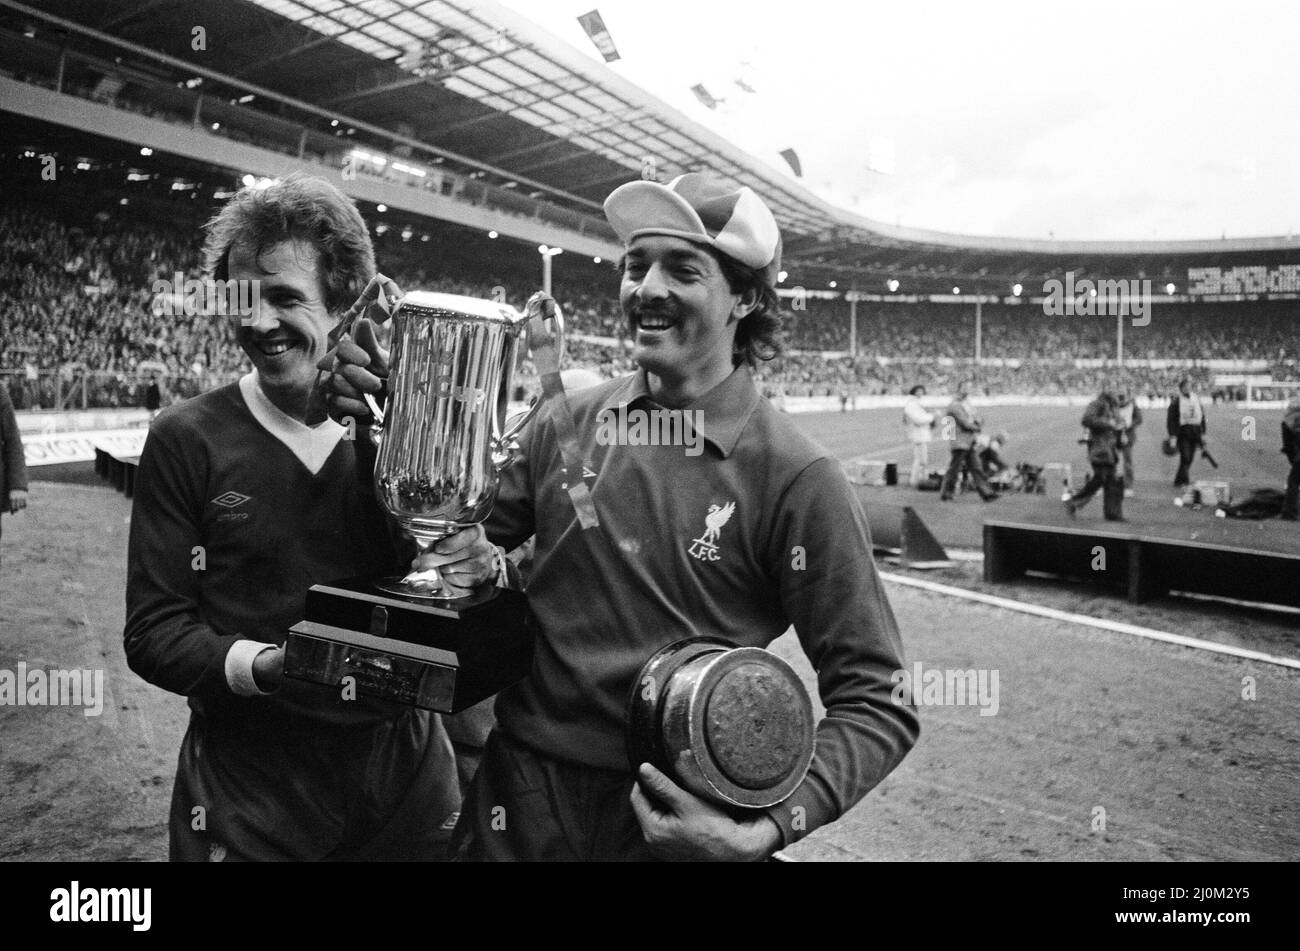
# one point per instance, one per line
(50, 449)
(81, 422)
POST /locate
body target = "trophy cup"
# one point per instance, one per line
(442, 442)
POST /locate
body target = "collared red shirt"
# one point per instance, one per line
(740, 533)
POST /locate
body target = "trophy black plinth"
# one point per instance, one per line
(443, 656)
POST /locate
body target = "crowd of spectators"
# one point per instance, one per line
(811, 375)
(76, 298)
(1258, 330)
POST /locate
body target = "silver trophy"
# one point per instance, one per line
(443, 438)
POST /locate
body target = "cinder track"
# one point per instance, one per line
(1157, 735)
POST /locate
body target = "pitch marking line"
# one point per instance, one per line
(1116, 626)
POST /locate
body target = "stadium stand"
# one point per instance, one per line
(1251, 330)
(76, 298)
(76, 294)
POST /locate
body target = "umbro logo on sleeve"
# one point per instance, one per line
(231, 500)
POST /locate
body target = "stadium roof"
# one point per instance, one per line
(490, 55)
(474, 83)
(529, 103)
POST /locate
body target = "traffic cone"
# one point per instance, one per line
(920, 549)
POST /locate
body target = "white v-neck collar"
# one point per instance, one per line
(311, 444)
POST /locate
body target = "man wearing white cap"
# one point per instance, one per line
(758, 531)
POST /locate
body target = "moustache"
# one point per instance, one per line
(666, 310)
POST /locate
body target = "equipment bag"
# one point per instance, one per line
(1261, 503)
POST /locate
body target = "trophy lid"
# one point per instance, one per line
(731, 724)
(754, 722)
(458, 304)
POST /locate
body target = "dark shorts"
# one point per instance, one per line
(526, 807)
(386, 792)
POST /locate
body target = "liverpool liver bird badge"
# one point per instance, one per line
(705, 548)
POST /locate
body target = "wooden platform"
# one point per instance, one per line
(1145, 562)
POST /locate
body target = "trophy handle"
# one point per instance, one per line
(547, 346)
(540, 308)
(376, 427)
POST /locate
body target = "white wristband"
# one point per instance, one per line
(239, 667)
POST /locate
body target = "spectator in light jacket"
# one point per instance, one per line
(1131, 416)
(919, 423)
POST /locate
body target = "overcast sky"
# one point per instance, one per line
(1089, 120)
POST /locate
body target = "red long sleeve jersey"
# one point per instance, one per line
(757, 531)
(228, 531)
